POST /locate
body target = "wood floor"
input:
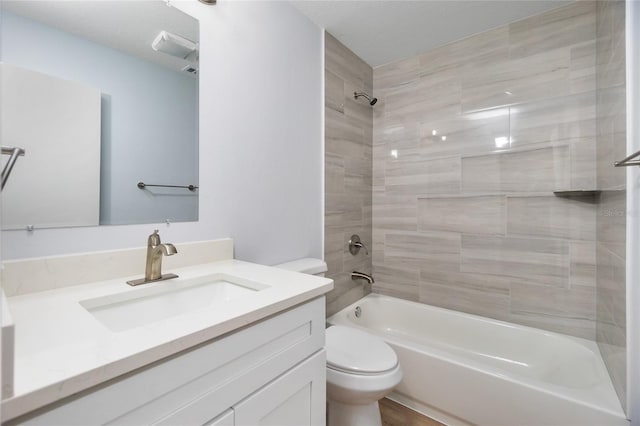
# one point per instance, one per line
(394, 414)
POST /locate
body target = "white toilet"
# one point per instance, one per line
(361, 368)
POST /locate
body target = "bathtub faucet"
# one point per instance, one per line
(357, 275)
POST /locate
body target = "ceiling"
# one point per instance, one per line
(128, 26)
(378, 31)
(381, 32)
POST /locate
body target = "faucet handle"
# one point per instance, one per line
(355, 245)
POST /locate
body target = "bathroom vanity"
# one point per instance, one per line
(228, 342)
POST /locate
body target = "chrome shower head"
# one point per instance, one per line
(372, 101)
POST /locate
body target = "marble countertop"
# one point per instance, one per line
(61, 349)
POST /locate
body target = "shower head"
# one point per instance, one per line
(372, 101)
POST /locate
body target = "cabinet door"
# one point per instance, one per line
(295, 398)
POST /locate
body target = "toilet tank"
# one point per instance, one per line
(307, 265)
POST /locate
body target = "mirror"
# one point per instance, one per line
(102, 95)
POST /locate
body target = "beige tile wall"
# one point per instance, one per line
(348, 170)
(611, 217)
(471, 222)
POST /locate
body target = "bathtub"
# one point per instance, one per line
(464, 369)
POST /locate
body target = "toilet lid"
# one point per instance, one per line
(355, 351)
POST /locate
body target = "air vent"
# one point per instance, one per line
(175, 45)
(190, 69)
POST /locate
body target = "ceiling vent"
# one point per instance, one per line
(190, 69)
(175, 45)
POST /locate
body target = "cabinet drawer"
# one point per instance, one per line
(231, 366)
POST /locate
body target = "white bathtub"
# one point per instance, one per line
(465, 369)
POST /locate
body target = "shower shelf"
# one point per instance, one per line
(593, 193)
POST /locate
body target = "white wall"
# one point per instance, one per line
(260, 142)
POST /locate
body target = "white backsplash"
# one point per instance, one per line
(46, 273)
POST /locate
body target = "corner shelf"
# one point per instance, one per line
(580, 194)
(577, 193)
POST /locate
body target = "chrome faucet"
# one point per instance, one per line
(153, 269)
(357, 275)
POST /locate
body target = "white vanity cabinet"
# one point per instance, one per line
(271, 372)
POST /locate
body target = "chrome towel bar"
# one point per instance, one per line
(191, 188)
(627, 161)
(14, 153)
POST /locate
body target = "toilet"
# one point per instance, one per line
(361, 368)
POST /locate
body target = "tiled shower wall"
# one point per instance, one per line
(348, 156)
(611, 219)
(470, 142)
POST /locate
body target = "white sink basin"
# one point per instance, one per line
(165, 299)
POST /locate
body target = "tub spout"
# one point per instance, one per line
(361, 275)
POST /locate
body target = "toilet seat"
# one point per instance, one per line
(355, 352)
